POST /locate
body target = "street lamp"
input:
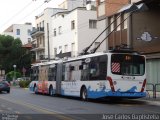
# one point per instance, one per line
(14, 77)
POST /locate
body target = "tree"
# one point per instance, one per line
(12, 53)
(10, 75)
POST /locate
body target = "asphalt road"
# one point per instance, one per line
(23, 104)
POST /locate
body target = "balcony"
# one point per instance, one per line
(37, 31)
(36, 47)
(45, 57)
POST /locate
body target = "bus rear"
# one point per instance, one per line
(126, 75)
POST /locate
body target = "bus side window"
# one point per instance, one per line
(80, 67)
(63, 71)
(85, 71)
(94, 71)
(71, 68)
(98, 68)
(52, 74)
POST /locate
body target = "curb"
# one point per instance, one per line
(152, 102)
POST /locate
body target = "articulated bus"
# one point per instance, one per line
(98, 75)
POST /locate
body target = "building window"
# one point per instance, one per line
(29, 40)
(60, 30)
(118, 22)
(73, 49)
(125, 22)
(18, 38)
(18, 31)
(66, 48)
(40, 40)
(60, 48)
(54, 32)
(96, 44)
(29, 32)
(112, 25)
(92, 24)
(43, 23)
(72, 25)
(43, 41)
(102, 1)
(55, 51)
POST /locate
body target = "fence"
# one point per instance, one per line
(153, 90)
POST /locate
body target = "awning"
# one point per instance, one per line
(133, 7)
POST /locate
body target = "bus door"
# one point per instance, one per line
(43, 80)
(59, 77)
(72, 76)
(128, 72)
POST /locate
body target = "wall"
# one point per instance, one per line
(111, 6)
(24, 36)
(71, 4)
(86, 35)
(82, 36)
(146, 31)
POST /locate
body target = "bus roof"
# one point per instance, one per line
(85, 56)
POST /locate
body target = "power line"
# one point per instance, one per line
(33, 11)
(20, 11)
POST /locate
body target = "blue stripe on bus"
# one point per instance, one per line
(104, 93)
(101, 94)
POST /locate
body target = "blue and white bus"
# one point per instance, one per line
(98, 75)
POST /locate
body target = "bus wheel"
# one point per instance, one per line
(51, 91)
(84, 94)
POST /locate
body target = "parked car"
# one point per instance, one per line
(4, 86)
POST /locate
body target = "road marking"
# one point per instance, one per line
(40, 109)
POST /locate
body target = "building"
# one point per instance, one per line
(21, 31)
(140, 30)
(72, 4)
(73, 31)
(145, 29)
(106, 10)
(42, 32)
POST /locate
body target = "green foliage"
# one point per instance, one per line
(24, 83)
(10, 75)
(12, 53)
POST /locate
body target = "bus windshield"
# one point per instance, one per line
(125, 64)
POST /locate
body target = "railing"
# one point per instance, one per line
(154, 89)
(45, 57)
(156, 85)
(39, 29)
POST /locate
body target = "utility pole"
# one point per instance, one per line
(48, 41)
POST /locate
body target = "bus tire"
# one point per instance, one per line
(51, 91)
(84, 94)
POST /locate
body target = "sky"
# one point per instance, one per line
(22, 11)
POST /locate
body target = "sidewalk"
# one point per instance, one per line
(151, 99)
